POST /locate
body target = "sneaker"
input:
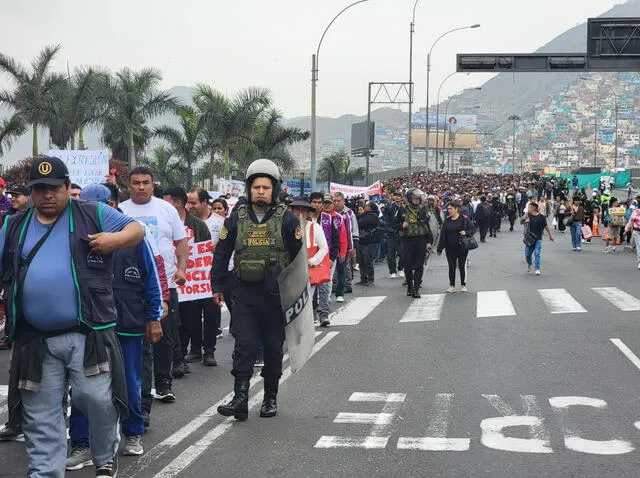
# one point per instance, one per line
(79, 458)
(163, 391)
(193, 357)
(11, 433)
(4, 343)
(463, 288)
(607, 250)
(133, 446)
(357, 267)
(219, 336)
(393, 276)
(528, 267)
(575, 248)
(578, 248)
(538, 272)
(259, 359)
(339, 299)
(108, 469)
(324, 321)
(209, 359)
(401, 274)
(178, 370)
(451, 290)
(614, 249)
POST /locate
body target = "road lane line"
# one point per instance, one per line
(427, 309)
(559, 301)
(377, 397)
(494, 303)
(174, 439)
(355, 311)
(627, 352)
(188, 456)
(364, 418)
(368, 443)
(619, 298)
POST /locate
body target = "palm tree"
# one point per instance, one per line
(10, 129)
(230, 122)
(187, 143)
(166, 170)
(130, 99)
(337, 168)
(33, 99)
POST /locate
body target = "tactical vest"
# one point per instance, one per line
(417, 225)
(128, 290)
(92, 272)
(259, 245)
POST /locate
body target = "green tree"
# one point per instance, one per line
(188, 142)
(336, 168)
(167, 170)
(130, 98)
(230, 123)
(10, 129)
(33, 100)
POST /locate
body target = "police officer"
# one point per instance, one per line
(265, 238)
(512, 208)
(416, 237)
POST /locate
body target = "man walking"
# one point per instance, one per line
(392, 228)
(536, 224)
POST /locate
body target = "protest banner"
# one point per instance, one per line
(228, 186)
(85, 166)
(198, 285)
(350, 191)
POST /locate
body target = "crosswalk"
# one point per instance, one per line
(488, 304)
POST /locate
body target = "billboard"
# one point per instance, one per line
(456, 131)
(361, 142)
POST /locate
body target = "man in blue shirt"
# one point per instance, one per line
(57, 268)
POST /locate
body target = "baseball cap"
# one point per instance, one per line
(48, 170)
(327, 198)
(96, 192)
(2, 182)
(19, 189)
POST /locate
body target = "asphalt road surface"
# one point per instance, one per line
(522, 376)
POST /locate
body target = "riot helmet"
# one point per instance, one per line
(414, 193)
(263, 168)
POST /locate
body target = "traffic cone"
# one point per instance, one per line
(596, 225)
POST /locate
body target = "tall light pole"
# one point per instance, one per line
(426, 144)
(314, 80)
(411, 25)
(602, 83)
(514, 118)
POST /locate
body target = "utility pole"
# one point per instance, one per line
(514, 118)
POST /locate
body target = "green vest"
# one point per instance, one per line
(417, 226)
(259, 246)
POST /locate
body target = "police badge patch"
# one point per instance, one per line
(223, 233)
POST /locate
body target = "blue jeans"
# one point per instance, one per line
(43, 422)
(576, 234)
(536, 250)
(340, 277)
(134, 424)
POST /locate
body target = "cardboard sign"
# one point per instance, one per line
(198, 285)
(85, 166)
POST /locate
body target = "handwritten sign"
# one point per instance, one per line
(85, 166)
(350, 191)
(198, 285)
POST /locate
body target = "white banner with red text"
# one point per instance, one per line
(198, 285)
(350, 191)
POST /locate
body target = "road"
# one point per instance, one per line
(524, 375)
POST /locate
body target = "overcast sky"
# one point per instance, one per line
(235, 44)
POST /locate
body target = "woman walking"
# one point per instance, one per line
(576, 214)
(455, 226)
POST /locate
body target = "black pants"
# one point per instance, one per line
(415, 249)
(495, 225)
(512, 221)
(147, 374)
(192, 329)
(367, 256)
(395, 258)
(168, 350)
(457, 258)
(257, 318)
(483, 227)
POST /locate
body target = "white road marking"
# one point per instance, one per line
(188, 456)
(633, 358)
(355, 311)
(377, 397)
(619, 298)
(427, 309)
(364, 418)
(559, 301)
(436, 439)
(574, 442)
(4, 390)
(495, 303)
(368, 443)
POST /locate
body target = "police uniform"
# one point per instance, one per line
(262, 249)
(415, 239)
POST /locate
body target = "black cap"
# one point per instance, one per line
(19, 189)
(301, 202)
(48, 170)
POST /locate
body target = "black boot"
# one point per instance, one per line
(409, 289)
(238, 407)
(415, 293)
(269, 406)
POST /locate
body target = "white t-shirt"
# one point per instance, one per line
(215, 224)
(165, 225)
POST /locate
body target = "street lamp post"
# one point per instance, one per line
(314, 80)
(514, 118)
(409, 142)
(426, 144)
